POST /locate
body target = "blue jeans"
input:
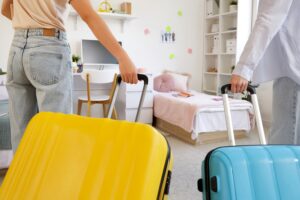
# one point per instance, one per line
(286, 112)
(39, 78)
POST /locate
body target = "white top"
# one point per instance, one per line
(40, 14)
(273, 49)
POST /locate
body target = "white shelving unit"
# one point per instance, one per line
(222, 26)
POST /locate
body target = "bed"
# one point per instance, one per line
(200, 118)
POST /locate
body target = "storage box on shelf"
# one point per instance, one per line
(226, 32)
(212, 8)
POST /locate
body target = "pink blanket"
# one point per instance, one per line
(181, 111)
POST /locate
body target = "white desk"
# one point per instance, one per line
(126, 103)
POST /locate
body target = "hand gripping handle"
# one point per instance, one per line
(141, 77)
(229, 125)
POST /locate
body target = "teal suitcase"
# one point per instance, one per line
(265, 172)
(252, 173)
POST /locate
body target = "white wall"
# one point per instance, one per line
(6, 35)
(147, 50)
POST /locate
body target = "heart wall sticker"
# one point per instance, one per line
(146, 31)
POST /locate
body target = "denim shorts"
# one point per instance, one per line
(39, 77)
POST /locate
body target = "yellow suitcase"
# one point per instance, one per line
(68, 157)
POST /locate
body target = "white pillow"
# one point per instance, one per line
(180, 82)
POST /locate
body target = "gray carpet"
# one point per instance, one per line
(187, 166)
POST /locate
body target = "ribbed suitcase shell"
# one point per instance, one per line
(253, 173)
(68, 157)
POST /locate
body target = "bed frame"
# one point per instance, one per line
(203, 138)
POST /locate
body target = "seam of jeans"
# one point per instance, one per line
(11, 66)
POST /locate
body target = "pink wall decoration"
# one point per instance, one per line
(190, 50)
(146, 31)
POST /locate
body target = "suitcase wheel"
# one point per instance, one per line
(200, 185)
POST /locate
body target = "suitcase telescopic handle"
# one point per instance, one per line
(228, 118)
(227, 87)
(141, 77)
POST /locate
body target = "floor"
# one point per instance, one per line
(187, 166)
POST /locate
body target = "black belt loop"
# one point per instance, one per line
(59, 35)
(27, 32)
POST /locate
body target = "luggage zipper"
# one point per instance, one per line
(167, 186)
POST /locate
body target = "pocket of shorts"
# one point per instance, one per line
(9, 76)
(45, 67)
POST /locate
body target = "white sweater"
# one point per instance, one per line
(273, 49)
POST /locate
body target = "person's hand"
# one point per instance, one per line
(128, 70)
(238, 84)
